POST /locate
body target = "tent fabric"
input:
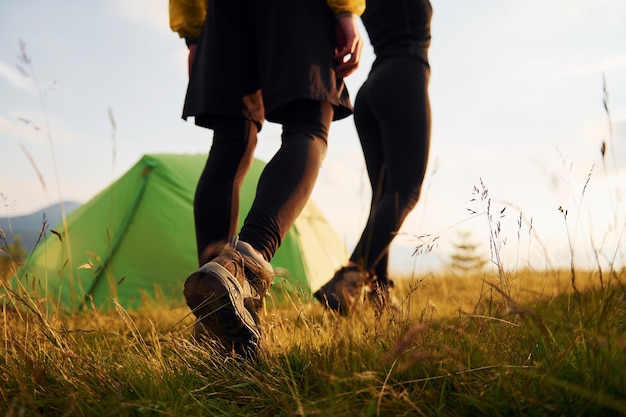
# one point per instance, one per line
(135, 240)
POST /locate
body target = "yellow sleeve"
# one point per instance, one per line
(187, 17)
(347, 6)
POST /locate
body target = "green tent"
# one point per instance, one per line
(135, 241)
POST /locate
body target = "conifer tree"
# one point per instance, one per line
(466, 257)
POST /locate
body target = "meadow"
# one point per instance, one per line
(486, 342)
(460, 346)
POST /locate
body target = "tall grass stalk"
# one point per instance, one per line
(454, 356)
(459, 346)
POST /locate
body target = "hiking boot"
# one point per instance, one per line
(344, 290)
(380, 296)
(227, 293)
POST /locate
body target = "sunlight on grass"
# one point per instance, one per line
(485, 342)
(458, 347)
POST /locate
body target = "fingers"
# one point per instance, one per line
(349, 45)
(349, 59)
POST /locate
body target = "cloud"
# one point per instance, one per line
(16, 78)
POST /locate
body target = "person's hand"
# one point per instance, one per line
(192, 55)
(349, 45)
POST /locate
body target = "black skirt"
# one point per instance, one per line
(256, 56)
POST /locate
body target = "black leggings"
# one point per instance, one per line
(392, 117)
(284, 187)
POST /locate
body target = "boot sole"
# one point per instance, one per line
(217, 300)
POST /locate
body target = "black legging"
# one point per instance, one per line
(284, 186)
(392, 117)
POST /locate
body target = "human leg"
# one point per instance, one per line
(224, 300)
(404, 137)
(345, 289)
(288, 179)
(398, 97)
(216, 201)
(227, 293)
(392, 116)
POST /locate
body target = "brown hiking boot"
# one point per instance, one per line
(344, 290)
(380, 296)
(227, 293)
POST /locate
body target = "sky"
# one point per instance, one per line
(518, 92)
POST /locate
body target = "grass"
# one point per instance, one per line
(526, 343)
(457, 348)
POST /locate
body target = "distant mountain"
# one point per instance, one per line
(29, 226)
